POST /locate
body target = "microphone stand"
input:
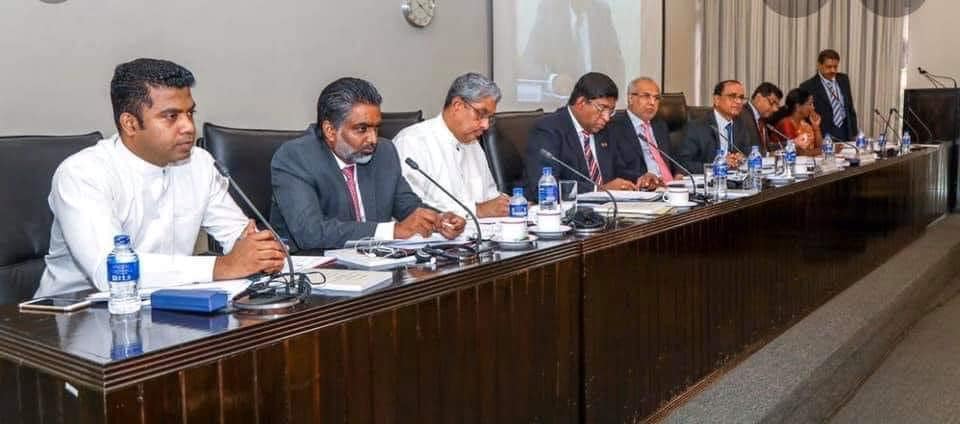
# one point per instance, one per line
(550, 156)
(259, 296)
(696, 196)
(907, 124)
(416, 167)
(925, 127)
(938, 77)
(887, 127)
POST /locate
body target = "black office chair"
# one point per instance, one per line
(27, 164)
(698, 112)
(247, 154)
(505, 145)
(673, 110)
(393, 122)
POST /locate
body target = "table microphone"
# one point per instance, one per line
(550, 156)
(413, 165)
(925, 127)
(886, 124)
(295, 281)
(782, 135)
(894, 110)
(681, 167)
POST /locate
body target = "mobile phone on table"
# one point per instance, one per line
(56, 304)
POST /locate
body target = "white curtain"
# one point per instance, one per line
(748, 41)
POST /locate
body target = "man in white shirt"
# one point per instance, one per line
(151, 183)
(446, 148)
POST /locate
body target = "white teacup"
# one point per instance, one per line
(513, 229)
(677, 195)
(548, 221)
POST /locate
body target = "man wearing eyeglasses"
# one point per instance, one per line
(447, 149)
(764, 103)
(574, 134)
(642, 138)
(717, 131)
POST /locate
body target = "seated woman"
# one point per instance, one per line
(799, 121)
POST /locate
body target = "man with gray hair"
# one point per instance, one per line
(339, 182)
(446, 148)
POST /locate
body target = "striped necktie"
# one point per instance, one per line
(592, 166)
(839, 114)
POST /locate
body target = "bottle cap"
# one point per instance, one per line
(121, 239)
(547, 170)
(518, 191)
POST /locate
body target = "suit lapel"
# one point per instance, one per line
(572, 141)
(330, 171)
(366, 180)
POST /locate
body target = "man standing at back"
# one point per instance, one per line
(574, 135)
(149, 182)
(832, 98)
(446, 148)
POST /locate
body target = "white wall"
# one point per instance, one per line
(679, 53)
(259, 63)
(933, 37)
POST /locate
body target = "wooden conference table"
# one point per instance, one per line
(600, 329)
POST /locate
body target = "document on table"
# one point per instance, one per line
(619, 195)
(351, 281)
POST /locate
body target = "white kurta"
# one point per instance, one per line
(105, 190)
(460, 167)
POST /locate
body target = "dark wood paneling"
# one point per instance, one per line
(727, 283)
(237, 388)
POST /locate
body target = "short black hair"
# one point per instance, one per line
(130, 86)
(339, 97)
(593, 85)
(718, 89)
(767, 88)
(828, 54)
(795, 98)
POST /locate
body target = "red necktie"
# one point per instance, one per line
(348, 173)
(657, 157)
(592, 165)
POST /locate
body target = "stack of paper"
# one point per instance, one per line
(619, 195)
(636, 208)
(349, 281)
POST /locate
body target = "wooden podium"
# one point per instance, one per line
(939, 111)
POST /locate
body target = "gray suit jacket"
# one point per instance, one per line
(311, 204)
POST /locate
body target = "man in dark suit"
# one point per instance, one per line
(574, 134)
(832, 98)
(717, 131)
(339, 182)
(764, 102)
(639, 133)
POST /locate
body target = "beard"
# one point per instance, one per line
(349, 155)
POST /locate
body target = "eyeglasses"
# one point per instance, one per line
(735, 97)
(647, 96)
(603, 109)
(481, 117)
(773, 100)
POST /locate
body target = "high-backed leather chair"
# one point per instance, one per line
(505, 144)
(698, 112)
(247, 154)
(393, 122)
(26, 169)
(673, 110)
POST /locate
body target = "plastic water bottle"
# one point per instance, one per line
(861, 141)
(548, 196)
(881, 146)
(125, 336)
(829, 159)
(720, 175)
(905, 143)
(518, 203)
(754, 183)
(123, 275)
(790, 158)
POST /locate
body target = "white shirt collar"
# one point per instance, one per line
(721, 121)
(823, 78)
(756, 114)
(136, 163)
(637, 122)
(576, 124)
(445, 133)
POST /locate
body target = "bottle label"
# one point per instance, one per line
(547, 194)
(518, 210)
(123, 271)
(755, 163)
(791, 156)
(720, 170)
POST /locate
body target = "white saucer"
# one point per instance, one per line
(551, 234)
(689, 204)
(514, 244)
